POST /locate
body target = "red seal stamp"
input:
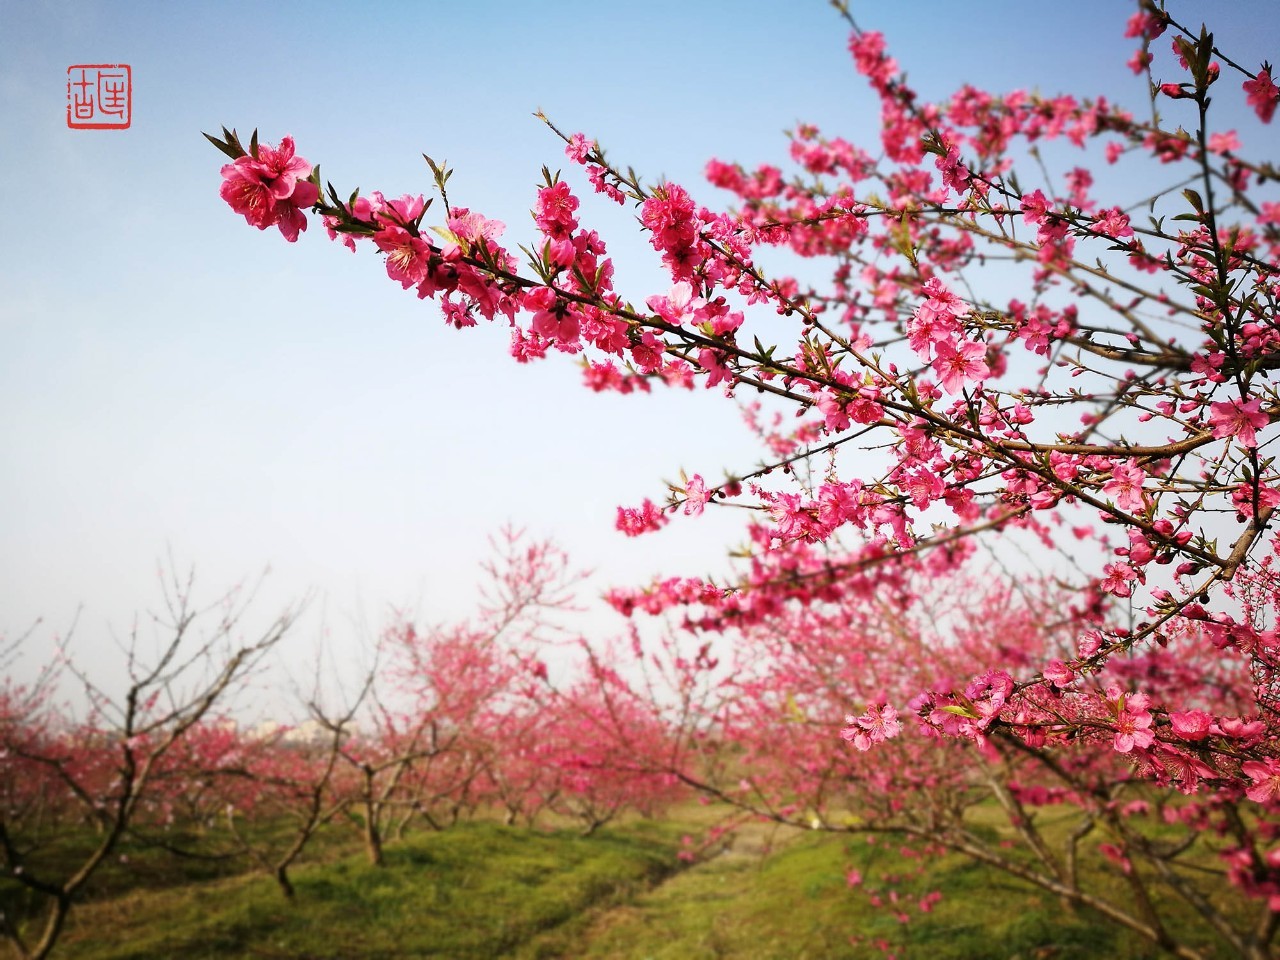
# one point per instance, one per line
(99, 96)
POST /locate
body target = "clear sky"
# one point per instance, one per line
(173, 381)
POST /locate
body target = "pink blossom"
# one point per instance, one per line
(361, 209)
(834, 412)
(1035, 207)
(578, 147)
(1190, 724)
(596, 174)
(1149, 26)
(1118, 579)
(838, 503)
(875, 726)
(1238, 728)
(1226, 142)
(407, 255)
(647, 354)
(270, 189)
(677, 305)
(1265, 775)
(401, 212)
(1055, 244)
(929, 900)
(935, 319)
(713, 361)
(553, 211)
(283, 168)
(1058, 673)
(1244, 496)
(943, 300)
(468, 225)
(1133, 727)
(1186, 769)
(954, 173)
(1238, 418)
(1262, 94)
(602, 376)
(955, 366)
(1113, 222)
(560, 326)
(865, 407)
(634, 521)
(1116, 855)
(670, 217)
(695, 494)
(1140, 60)
(1090, 643)
(1125, 485)
(923, 487)
(868, 51)
(988, 694)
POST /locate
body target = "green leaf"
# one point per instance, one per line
(450, 236)
(440, 171)
(226, 147)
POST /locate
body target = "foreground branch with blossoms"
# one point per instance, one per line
(1123, 402)
(1064, 788)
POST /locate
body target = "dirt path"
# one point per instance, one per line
(684, 917)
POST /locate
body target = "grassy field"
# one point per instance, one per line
(484, 891)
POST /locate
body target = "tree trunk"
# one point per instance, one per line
(373, 836)
(282, 880)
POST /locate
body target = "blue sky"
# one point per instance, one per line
(174, 381)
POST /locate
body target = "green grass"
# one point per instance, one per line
(478, 890)
(795, 905)
(482, 890)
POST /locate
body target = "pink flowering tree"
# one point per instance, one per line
(1076, 771)
(293, 784)
(614, 745)
(431, 746)
(1117, 407)
(516, 753)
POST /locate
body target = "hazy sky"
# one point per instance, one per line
(172, 380)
